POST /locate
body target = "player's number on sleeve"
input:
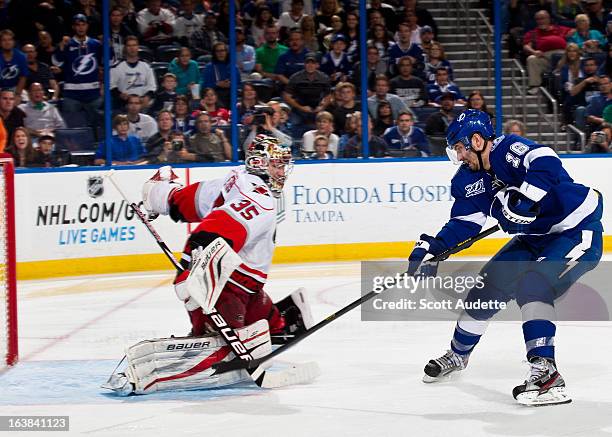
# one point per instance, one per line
(246, 209)
(519, 149)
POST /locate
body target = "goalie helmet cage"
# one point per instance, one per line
(8, 277)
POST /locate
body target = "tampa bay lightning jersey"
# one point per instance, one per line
(538, 173)
(80, 62)
(12, 70)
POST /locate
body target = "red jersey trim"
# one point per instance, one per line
(223, 224)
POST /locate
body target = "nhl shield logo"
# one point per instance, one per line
(95, 186)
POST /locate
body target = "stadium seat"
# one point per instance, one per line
(423, 112)
(75, 139)
(166, 53)
(265, 91)
(159, 68)
(146, 54)
(204, 59)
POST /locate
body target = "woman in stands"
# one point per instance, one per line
(384, 118)
(183, 121)
(216, 74)
(186, 71)
(247, 103)
(351, 32)
(380, 40)
(22, 150)
(437, 59)
(263, 18)
(327, 9)
(309, 31)
(477, 101)
(210, 103)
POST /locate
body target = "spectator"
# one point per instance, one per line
(263, 20)
(386, 11)
(245, 55)
(407, 87)
(87, 8)
(321, 144)
(376, 67)
(405, 139)
(216, 74)
(308, 92)
(597, 14)
(309, 33)
(598, 103)
(247, 103)
(203, 39)
(436, 59)
(351, 31)
(41, 117)
(41, 73)
(183, 121)
(207, 145)
(166, 96)
(284, 125)
(580, 93)
(80, 59)
(384, 118)
(415, 30)
(606, 66)
(437, 123)
(155, 144)
(350, 128)
(336, 63)
(540, 44)
(344, 105)
(266, 55)
(441, 86)
(291, 61)
(565, 11)
(187, 23)
(599, 142)
(381, 40)
(126, 149)
(330, 32)
(266, 121)
(22, 151)
(354, 146)
(141, 125)
(382, 93)
(427, 40)
(12, 116)
(327, 9)
(590, 40)
(569, 67)
(13, 64)
(46, 145)
(171, 150)
(404, 47)
(187, 73)
(325, 127)
(46, 50)
(119, 31)
(132, 76)
(514, 127)
(155, 23)
(424, 17)
(291, 19)
(210, 103)
(129, 13)
(476, 100)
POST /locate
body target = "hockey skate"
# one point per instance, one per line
(295, 310)
(543, 386)
(438, 369)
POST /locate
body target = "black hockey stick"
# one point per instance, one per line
(234, 364)
(258, 374)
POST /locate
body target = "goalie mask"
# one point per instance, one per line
(270, 160)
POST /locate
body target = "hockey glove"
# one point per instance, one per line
(514, 211)
(157, 190)
(424, 249)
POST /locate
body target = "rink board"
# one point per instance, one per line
(75, 222)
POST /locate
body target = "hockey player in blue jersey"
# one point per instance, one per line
(558, 238)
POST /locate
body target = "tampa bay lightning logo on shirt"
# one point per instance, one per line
(475, 188)
(9, 72)
(84, 65)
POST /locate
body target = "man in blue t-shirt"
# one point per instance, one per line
(126, 149)
(13, 64)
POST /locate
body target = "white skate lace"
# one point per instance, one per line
(537, 369)
(450, 359)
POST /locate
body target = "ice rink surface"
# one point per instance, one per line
(73, 333)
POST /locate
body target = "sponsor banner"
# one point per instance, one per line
(71, 215)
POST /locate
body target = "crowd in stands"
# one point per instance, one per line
(299, 75)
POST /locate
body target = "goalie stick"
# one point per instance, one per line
(261, 377)
(234, 364)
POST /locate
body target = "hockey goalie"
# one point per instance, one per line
(226, 260)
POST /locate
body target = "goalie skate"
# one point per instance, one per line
(438, 369)
(543, 386)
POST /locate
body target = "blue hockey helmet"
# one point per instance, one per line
(464, 127)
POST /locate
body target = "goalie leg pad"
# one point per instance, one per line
(184, 363)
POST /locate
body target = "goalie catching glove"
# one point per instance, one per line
(157, 190)
(514, 211)
(425, 249)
